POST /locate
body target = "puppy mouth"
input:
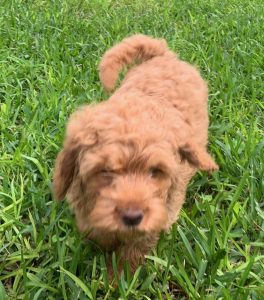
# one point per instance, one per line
(136, 218)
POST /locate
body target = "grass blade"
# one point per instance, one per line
(78, 282)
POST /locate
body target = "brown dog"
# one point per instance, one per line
(126, 162)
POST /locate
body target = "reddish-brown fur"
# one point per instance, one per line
(137, 151)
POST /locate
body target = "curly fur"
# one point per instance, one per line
(137, 151)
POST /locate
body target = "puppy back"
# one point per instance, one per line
(134, 49)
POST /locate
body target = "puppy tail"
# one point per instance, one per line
(137, 48)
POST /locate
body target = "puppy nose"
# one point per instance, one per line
(132, 217)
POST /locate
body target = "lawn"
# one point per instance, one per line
(49, 52)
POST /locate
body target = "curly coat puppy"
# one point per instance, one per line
(126, 162)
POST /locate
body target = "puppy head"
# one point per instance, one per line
(131, 180)
(116, 177)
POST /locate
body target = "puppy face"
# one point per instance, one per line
(130, 182)
(118, 175)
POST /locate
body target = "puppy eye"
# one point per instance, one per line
(105, 172)
(156, 172)
(106, 176)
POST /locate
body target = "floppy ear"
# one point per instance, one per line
(80, 134)
(198, 157)
(65, 166)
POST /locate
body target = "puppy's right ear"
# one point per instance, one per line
(80, 135)
(65, 168)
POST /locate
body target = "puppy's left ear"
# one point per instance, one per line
(198, 157)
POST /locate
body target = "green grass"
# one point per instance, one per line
(49, 51)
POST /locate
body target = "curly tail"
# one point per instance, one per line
(137, 48)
